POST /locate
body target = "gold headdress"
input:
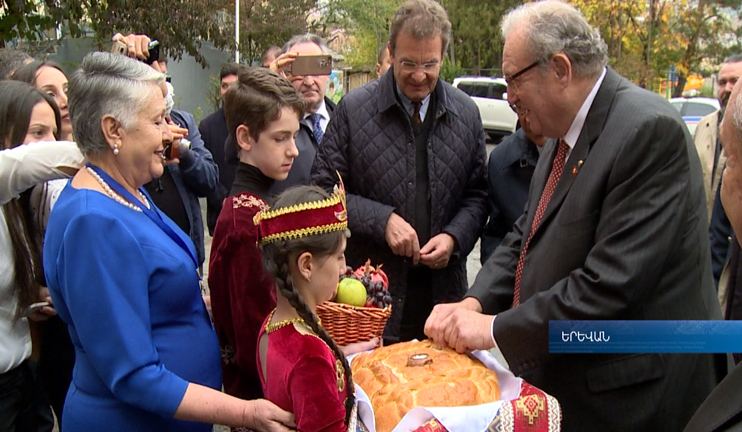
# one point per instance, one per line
(301, 220)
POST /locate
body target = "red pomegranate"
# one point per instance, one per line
(376, 273)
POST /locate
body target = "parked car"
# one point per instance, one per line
(490, 95)
(693, 109)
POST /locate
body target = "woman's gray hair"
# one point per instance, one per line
(555, 27)
(108, 84)
(422, 19)
(306, 38)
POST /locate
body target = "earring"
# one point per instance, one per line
(115, 149)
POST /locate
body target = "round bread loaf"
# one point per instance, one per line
(400, 377)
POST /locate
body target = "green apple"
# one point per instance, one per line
(351, 292)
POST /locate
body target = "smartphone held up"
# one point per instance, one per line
(312, 64)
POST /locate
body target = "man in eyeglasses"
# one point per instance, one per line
(410, 149)
(614, 229)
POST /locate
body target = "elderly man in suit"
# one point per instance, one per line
(722, 411)
(614, 229)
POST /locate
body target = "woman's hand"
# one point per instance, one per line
(267, 417)
(358, 347)
(280, 63)
(45, 312)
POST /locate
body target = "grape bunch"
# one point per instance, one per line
(374, 280)
(378, 296)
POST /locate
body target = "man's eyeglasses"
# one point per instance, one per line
(408, 66)
(510, 80)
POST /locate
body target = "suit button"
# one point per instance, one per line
(410, 183)
(409, 143)
(430, 146)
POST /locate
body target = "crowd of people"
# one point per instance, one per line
(600, 207)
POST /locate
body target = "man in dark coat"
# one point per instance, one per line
(214, 133)
(510, 169)
(615, 229)
(410, 149)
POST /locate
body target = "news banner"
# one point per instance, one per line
(613, 337)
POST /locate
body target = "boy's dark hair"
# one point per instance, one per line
(28, 72)
(229, 69)
(277, 256)
(256, 99)
(10, 60)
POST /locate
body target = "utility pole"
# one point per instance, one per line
(236, 31)
(648, 82)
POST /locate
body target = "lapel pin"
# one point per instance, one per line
(577, 168)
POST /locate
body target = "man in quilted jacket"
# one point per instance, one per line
(410, 149)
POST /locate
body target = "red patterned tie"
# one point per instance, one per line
(556, 172)
(416, 115)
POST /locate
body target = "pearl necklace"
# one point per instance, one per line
(118, 198)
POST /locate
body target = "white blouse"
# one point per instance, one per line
(21, 168)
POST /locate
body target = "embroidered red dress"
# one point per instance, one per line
(305, 378)
(242, 292)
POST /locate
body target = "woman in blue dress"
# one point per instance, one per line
(123, 276)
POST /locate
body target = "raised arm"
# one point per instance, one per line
(25, 166)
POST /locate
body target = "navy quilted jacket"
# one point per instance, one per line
(370, 142)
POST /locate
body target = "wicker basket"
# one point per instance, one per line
(349, 324)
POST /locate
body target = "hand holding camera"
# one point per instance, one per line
(293, 64)
(140, 47)
(178, 147)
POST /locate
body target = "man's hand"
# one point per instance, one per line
(280, 63)
(437, 251)
(138, 46)
(402, 238)
(267, 417)
(443, 322)
(178, 133)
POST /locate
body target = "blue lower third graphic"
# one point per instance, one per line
(602, 337)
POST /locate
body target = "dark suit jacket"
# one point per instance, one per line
(720, 236)
(510, 169)
(722, 410)
(624, 237)
(214, 133)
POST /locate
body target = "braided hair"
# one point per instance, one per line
(279, 254)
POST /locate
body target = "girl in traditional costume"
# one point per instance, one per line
(302, 369)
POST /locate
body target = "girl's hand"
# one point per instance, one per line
(358, 347)
(45, 312)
